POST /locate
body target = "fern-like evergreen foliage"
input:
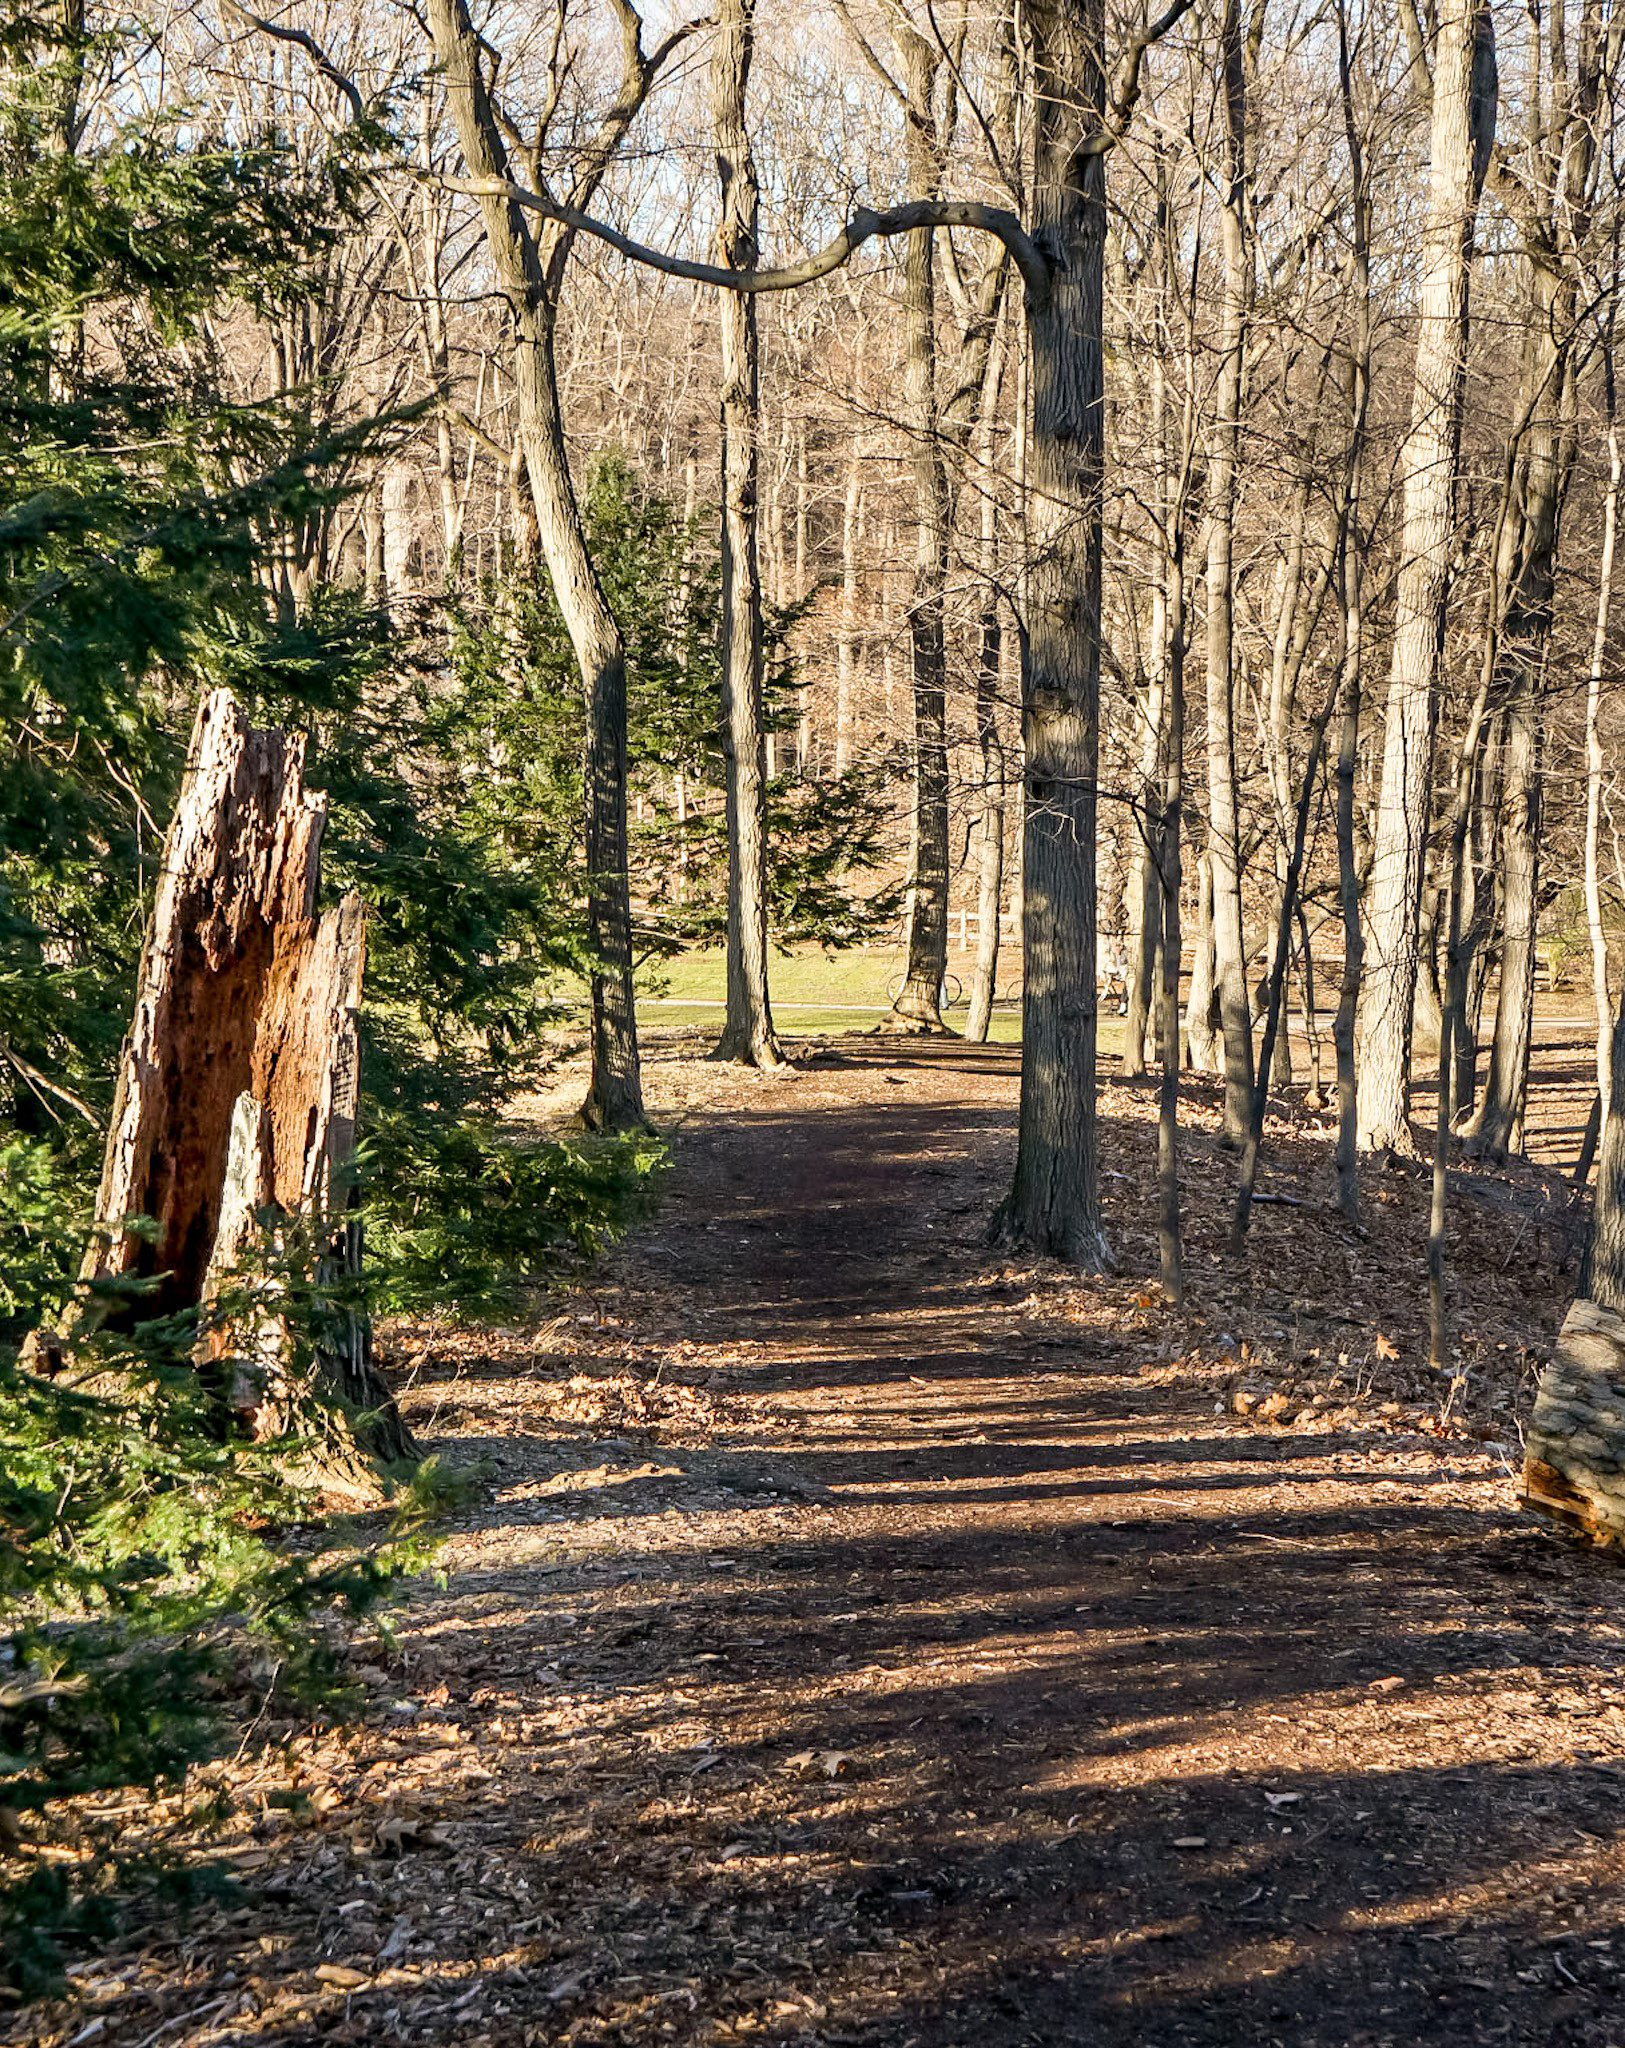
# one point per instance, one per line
(157, 1573)
(161, 1578)
(158, 1576)
(514, 706)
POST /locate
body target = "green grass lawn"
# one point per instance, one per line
(818, 994)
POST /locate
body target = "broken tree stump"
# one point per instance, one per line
(237, 1090)
(1574, 1452)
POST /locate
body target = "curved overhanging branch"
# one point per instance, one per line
(866, 225)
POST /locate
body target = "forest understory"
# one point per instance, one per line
(853, 1636)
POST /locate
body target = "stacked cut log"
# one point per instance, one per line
(1574, 1451)
(234, 1121)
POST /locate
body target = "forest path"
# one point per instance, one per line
(864, 1639)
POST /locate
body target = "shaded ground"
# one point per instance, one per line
(861, 1639)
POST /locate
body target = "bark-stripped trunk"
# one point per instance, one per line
(919, 1002)
(238, 1087)
(1224, 851)
(1054, 1204)
(1462, 125)
(747, 1034)
(615, 1094)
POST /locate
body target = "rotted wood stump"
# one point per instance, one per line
(1574, 1452)
(234, 1122)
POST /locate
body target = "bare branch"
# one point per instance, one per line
(1126, 82)
(303, 40)
(865, 225)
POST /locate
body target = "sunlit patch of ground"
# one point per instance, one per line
(858, 1635)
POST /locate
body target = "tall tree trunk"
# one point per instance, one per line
(1275, 984)
(615, 1093)
(1348, 893)
(1602, 1278)
(1601, 992)
(1351, 601)
(1224, 852)
(1169, 850)
(919, 1001)
(747, 1034)
(1462, 128)
(847, 644)
(1564, 119)
(1145, 885)
(1201, 1035)
(1054, 1204)
(1498, 1122)
(989, 742)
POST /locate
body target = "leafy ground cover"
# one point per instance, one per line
(857, 1636)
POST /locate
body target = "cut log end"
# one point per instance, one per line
(1550, 1492)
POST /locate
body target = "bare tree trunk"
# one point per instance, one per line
(919, 1002)
(1224, 853)
(990, 745)
(1170, 1251)
(1541, 469)
(1602, 1278)
(1247, 1176)
(1201, 1038)
(1348, 890)
(1451, 1021)
(1054, 1204)
(1475, 881)
(747, 1035)
(1498, 1123)
(615, 1094)
(1150, 859)
(1145, 927)
(990, 829)
(846, 646)
(1351, 598)
(1462, 127)
(1601, 992)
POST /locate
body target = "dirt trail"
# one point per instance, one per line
(867, 1641)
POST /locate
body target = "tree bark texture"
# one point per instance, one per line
(1574, 1448)
(1462, 121)
(615, 1094)
(748, 1031)
(1224, 851)
(238, 1084)
(1601, 991)
(919, 1001)
(1201, 1038)
(989, 740)
(1565, 120)
(1054, 1204)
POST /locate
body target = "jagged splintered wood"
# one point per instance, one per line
(1574, 1452)
(237, 1089)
